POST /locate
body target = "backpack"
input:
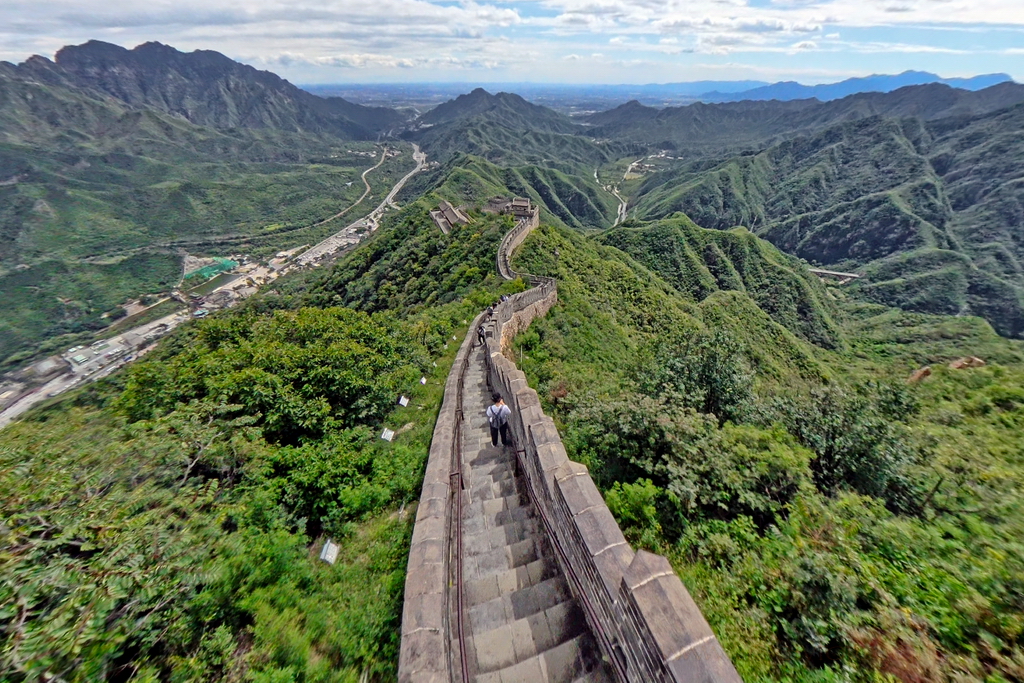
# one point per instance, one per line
(498, 416)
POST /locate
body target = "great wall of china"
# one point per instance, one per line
(517, 570)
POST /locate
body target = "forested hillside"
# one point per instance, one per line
(507, 130)
(575, 200)
(164, 525)
(931, 211)
(99, 197)
(833, 522)
(204, 87)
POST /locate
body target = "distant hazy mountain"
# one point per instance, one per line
(206, 88)
(790, 90)
(507, 108)
(734, 126)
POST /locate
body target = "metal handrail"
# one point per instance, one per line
(540, 285)
(593, 619)
(455, 486)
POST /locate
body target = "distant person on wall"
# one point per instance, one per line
(481, 334)
(497, 418)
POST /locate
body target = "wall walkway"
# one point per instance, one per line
(639, 614)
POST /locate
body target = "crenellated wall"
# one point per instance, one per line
(641, 614)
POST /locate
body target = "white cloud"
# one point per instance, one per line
(521, 39)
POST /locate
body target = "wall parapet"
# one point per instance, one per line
(648, 626)
(426, 653)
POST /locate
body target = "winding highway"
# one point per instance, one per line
(101, 365)
(352, 233)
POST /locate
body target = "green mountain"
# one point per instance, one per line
(928, 209)
(205, 88)
(700, 128)
(565, 197)
(507, 130)
(507, 108)
(98, 197)
(699, 263)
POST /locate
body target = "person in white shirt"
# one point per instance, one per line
(497, 418)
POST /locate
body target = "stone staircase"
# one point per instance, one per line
(522, 622)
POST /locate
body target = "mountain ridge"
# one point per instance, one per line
(204, 87)
(739, 125)
(791, 90)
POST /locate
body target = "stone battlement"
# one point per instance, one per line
(645, 622)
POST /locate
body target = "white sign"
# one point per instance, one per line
(423, 380)
(388, 434)
(330, 552)
(403, 401)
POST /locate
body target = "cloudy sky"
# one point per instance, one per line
(570, 41)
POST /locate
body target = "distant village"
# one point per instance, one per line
(220, 283)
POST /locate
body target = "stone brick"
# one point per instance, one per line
(423, 611)
(432, 507)
(423, 579)
(422, 654)
(426, 552)
(428, 529)
(611, 564)
(670, 615)
(704, 663)
(599, 529)
(577, 488)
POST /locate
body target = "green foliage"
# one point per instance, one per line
(703, 371)
(699, 262)
(181, 545)
(842, 526)
(303, 374)
(856, 439)
(412, 265)
(634, 506)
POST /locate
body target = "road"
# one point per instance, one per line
(383, 156)
(623, 204)
(96, 361)
(353, 233)
(108, 355)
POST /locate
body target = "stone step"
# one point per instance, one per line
(490, 506)
(488, 489)
(522, 639)
(481, 523)
(478, 453)
(501, 559)
(517, 578)
(559, 664)
(497, 537)
(493, 472)
(520, 604)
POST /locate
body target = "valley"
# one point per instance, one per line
(781, 340)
